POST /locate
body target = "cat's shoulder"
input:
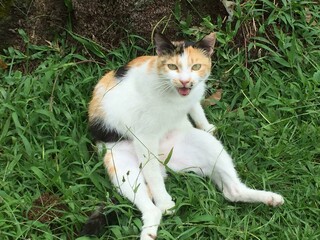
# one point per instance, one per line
(114, 77)
(111, 77)
(139, 61)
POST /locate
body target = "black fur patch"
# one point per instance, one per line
(192, 121)
(121, 72)
(100, 133)
(189, 44)
(95, 224)
(99, 219)
(179, 47)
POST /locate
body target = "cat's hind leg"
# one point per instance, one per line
(198, 151)
(124, 171)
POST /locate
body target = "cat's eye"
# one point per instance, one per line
(196, 67)
(172, 67)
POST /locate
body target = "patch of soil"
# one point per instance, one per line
(42, 20)
(108, 23)
(46, 208)
(105, 22)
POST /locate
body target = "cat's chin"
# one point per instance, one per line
(183, 91)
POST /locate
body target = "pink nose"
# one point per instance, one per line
(184, 82)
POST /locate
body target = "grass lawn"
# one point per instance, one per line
(268, 118)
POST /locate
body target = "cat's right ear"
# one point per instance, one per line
(163, 45)
(207, 43)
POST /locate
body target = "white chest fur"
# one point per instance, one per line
(138, 105)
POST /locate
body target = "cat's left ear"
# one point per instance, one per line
(163, 45)
(207, 43)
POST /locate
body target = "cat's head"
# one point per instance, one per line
(184, 64)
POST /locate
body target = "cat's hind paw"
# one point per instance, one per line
(151, 219)
(274, 200)
(148, 234)
(167, 208)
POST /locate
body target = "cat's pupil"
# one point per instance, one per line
(172, 67)
(196, 67)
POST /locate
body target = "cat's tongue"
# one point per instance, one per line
(184, 91)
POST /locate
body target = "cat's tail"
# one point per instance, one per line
(97, 221)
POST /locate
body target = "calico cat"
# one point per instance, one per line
(140, 113)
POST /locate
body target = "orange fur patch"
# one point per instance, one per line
(107, 82)
(109, 164)
(196, 56)
(141, 60)
(149, 192)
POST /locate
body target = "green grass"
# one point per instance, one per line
(268, 118)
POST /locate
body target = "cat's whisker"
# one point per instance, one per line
(165, 90)
(163, 87)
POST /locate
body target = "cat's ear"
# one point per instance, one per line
(207, 43)
(163, 45)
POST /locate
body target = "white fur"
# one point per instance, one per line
(151, 112)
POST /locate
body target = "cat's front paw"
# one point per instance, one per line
(211, 129)
(166, 207)
(274, 200)
(148, 234)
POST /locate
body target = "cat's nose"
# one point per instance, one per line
(184, 82)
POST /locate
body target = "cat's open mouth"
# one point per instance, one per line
(183, 91)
